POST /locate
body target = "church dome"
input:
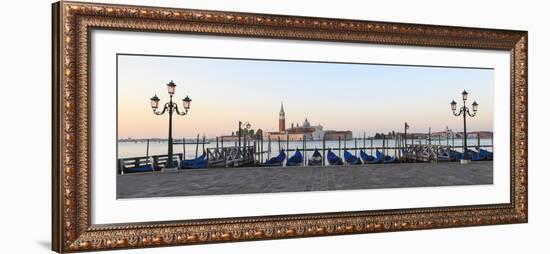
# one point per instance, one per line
(306, 124)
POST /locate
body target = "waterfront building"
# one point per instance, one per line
(335, 135)
(304, 131)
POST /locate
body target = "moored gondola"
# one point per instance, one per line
(351, 159)
(277, 160)
(475, 156)
(333, 159)
(199, 162)
(295, 160)
(386, 159)
(316, 159)
(488, 155)
(139, 169)
(368, 159)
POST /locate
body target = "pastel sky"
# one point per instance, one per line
(357, 97)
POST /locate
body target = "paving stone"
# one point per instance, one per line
(218, 181)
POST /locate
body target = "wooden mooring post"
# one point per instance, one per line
(365, 141)
(395, 147)
(324, 147)
(355, 147)
(430, 135)
(203, 142)
(262, 148)
(478, 143)
(339, 146)
(345, 143)
(305, 151)
(371, 146)
(147, 149)
(254, 150)
(197, 147)
(287, 145)
(183, 146)
(384, 144)
(453, 140)
(268, 147)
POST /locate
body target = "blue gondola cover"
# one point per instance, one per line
(486, 154)
(368, 159)
(277, 160)
(199, 162)
(351, 159)
(144, 168)
(296, 159)
(475, 156)
(333, 159)
(384, 158)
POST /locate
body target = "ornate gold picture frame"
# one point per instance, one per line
(72, 229)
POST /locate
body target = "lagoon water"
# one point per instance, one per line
(127, 149)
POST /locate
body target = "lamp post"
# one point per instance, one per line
(405, 138)
(246, 127)
(464, 111)
(170, 107)
(406, 128)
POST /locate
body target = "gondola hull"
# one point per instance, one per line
(200, 162)
(316, 159)
(368, 159)
(296, 160)
(333, 159)
(140, 169)
(386, 159)
(276, 161)
(351, 159)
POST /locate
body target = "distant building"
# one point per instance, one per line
(447, 133)
(474, 134)
(305, 131)
(282, 127)
(335, 135)
(229, 138)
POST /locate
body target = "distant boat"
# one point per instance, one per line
(384, 158)
(351, 159)
(368, 159)
(277, 160)
(199, 162)
(316, 159)
(296, 160)
(333, 159)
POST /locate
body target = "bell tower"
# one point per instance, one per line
(282, 127)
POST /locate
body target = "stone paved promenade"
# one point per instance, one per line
(294, 179)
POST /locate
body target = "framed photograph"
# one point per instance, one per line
(178, 126)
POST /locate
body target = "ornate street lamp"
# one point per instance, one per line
(246, 126)
(171, 107)
(405, 137)
(464, 111)
(406, 128)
